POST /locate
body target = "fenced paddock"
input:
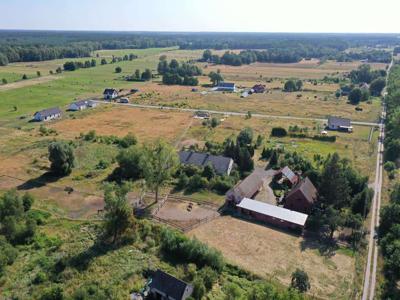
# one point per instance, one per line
(185, 213)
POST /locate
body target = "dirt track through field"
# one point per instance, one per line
(28, 82)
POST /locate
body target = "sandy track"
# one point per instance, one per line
(28, 82)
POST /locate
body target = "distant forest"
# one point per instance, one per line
(19, 46)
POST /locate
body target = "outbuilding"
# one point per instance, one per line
(259, 88)
(248, 187)
(47, 114)
(275, 215)
(302, 197)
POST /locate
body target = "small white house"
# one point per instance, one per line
(47, 114)
(81, 105)
(110, 94)
(78, 105)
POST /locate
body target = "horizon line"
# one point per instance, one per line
(182, 31)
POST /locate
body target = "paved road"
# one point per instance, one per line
(233, 113)
(372, 260)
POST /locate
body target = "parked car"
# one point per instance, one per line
(124, 100)
(134, 90)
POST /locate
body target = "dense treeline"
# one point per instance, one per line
(175, 73)
(389, 240)
(392, 139)
(16, 46)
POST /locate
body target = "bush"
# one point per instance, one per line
(118, 70)
(53, 293)
(196, 183)
(278, 132)
(181, 248)
(325, 138)
(389, 166)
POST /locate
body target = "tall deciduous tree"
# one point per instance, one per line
(159, 162)
(61, 156)
(118, 214)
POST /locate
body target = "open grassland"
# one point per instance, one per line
(23, 98)
(271, 253)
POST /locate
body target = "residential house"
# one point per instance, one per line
(225, 87)
(201, 115)
(248, 187)
(272, 214)
(302, 197)
(110, 94)
(47, 114)
(81, 105)
(341, 124)
(221, 164)
(258, 88)
(164, 286)
(364, 86)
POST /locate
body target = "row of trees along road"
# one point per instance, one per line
(389, 228)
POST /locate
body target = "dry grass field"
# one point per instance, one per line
(311, 69)
(271, 253)
(147, 125)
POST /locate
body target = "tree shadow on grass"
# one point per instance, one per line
(39, 182)
(82, 260)
(319, 241)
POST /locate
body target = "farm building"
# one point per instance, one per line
(342, 124)
(164, 286)
(248, 187)
(110, 94)
(201, 115)
(222, 165)
(225, 87)
(287, 175)
(302, 197)
(81, 105)
(275, 215)
(47, 114)
(258, 88)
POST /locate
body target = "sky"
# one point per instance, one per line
(366, 16)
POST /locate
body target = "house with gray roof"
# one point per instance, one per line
(341, 124)
(81, 105)
(221, 164)
(47, 114)
(164, 286)
(225, 87)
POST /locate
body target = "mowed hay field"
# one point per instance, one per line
(272, 253)
(146, 124)
(306, 69)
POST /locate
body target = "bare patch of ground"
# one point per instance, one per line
(180, 213)
(269, 252)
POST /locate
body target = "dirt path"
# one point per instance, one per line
(28, 82)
